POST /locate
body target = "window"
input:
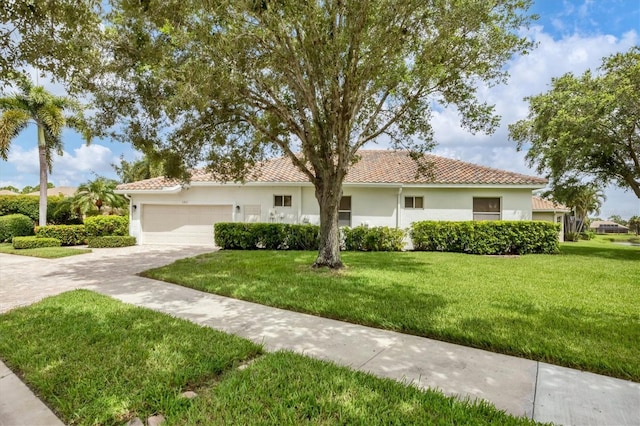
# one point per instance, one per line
(282, 201)
(413, 202)
(344, 211)
(486, 208)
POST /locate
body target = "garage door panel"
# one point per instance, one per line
(182, 224)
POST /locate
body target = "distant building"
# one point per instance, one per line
(607, 227)
(65, 191)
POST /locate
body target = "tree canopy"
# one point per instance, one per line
(231, 82)
(58, 36)
(588, 126)
(144, 168)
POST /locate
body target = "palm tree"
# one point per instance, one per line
(97, 193)
(588, 199)
(582, 198)
(34, 105)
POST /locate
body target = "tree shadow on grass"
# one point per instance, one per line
(94, 359)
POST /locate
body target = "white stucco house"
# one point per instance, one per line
(382, 189)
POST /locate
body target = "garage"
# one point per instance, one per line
(182, 224)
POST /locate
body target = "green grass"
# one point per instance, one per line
(44, 252)
(579, 309)
(617, 238)
(95, 360)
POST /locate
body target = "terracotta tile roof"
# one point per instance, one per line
(375, 166)
(541, 204)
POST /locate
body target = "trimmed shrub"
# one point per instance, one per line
(34, 242)
(105, 226)
(58, 211)
(587, 235)
(111, 241)
(378, 238)
(302, 237)
(279, 236)
(69, 235)
(234, 236)
(486, 237)
(15, 225)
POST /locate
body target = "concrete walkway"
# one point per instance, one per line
(537, 390)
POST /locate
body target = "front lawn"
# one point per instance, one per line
(95, 360)
(578, 309)
(43, 252)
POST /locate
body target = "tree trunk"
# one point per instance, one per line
(44, 167)
(329, 252)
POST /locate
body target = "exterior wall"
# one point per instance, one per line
(457, 204)
(552, 217)
(373, 206)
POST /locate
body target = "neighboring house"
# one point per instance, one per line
(551, 211)
(65, 191)
(607, 227)
(382, 189)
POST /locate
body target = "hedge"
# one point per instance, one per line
(379, 238)
(15, 225)
(69, 235)
(279, 236)
(486, 237)
(105, 226)
(111, 241)
(34, 242)
(271, 236)
(58, 211)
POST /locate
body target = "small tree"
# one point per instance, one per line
(582, 198)
(96, 194)
(634, 224)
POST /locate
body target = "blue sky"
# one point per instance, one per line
(571, 36)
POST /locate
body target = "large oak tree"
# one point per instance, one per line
(588, 126)
(231, 82)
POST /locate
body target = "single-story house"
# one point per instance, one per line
(384, 188)
(607, 227)
(551, 211)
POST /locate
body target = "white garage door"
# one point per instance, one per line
(180, 224)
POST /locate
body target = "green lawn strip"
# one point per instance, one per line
(44, 252)
(578, 309)
(289, 389)
(95, 360)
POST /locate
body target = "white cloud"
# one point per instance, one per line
(71, 168)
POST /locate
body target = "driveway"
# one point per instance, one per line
(25, 280)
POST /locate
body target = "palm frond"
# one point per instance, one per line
(12, 122)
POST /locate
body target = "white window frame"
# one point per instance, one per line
(490, 215)
(350, 211)
(282, 200)
(413, 199)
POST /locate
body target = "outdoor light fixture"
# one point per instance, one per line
(134, 207)
(238, 209)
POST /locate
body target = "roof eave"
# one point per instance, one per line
(166, 190)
